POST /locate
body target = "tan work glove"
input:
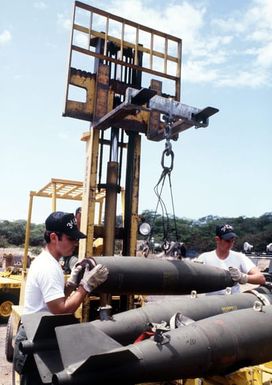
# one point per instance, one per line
(73, 279)
(237, 275)
(92, 279)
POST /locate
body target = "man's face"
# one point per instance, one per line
(225, 245)
(64, 245)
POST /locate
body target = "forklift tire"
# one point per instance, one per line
(9, 340)
(7, 300)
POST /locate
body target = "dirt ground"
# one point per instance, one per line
(5, 366)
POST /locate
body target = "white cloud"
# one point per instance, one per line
(252, 79)
(182, 20)
(199, 72)
(264, 57)
(231, 24)
(237, 52)
(260, 13)
(5, 37)
(260, 35)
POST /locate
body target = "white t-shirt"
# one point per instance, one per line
(45, 282)
(234, 259)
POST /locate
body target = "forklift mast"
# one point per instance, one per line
(116, 71)
(115, 60)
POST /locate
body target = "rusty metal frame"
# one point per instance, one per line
(136, 46)
(168, 51)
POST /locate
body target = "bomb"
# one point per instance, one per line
(215, 345)
(137, 275)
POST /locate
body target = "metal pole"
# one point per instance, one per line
(110, 208)
(27, 236)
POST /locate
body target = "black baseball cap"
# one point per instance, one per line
(225, 232)
(64, 223)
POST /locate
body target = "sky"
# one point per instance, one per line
(221, 170)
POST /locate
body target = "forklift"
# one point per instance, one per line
(125, 80)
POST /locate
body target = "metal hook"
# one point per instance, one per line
(165, 153)
(193, 294)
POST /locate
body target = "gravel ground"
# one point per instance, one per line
(5, 366)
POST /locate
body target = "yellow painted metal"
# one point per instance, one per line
(266, 370)
(87, 82)
(26, 246)
(135, 196)
(253, 375)
(54, 196)
(267, 366)
(88, 198)
(10, 281)
(10, 285)
(92, 146)
(61, 189)
(88, 206)
(27, 231)
(110, 209)
(192, 381)
(16, 313)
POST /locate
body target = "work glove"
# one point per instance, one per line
(93, 278)
(72, 281)
(237, 275)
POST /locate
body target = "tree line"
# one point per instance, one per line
(197, 235)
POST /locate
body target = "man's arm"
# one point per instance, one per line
(91, 280)
(255, 276)
(67, 305)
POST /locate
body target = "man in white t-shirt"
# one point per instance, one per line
(241, 268)
(45, 287)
